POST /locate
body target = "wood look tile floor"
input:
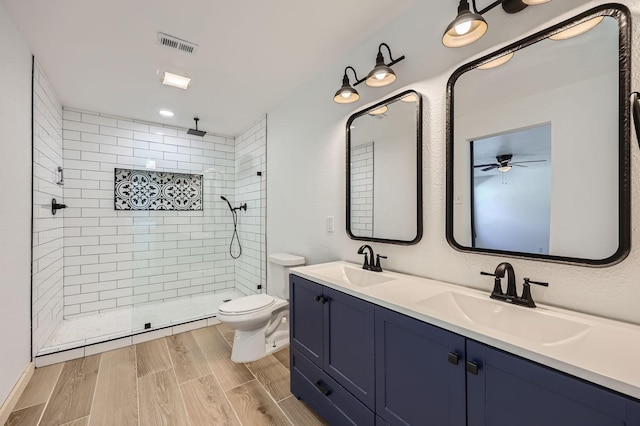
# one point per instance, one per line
(185, 379)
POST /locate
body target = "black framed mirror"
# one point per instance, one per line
(538, 145)
(384, 171)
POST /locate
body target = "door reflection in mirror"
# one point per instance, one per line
(511, 190)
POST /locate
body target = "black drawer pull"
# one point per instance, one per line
(322, 388)
(321, 299)
(453, 358)
(472, 368)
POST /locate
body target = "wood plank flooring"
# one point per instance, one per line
(185, 379)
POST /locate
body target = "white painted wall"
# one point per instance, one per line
(15, 208)
(512, 209)
(306, 160)
(395, 177)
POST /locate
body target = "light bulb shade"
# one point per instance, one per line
(576, 30)
(465, 29)
(346, 94)
(535, 2)
(504, 169)
(381, 75)
(379, 111)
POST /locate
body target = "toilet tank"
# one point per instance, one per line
(279, 265)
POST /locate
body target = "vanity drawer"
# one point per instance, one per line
(334, 403)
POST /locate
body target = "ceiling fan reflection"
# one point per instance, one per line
(504, 164)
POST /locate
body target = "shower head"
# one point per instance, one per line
(195, 131)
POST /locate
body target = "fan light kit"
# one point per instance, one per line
(504, 164)
(469, 26)
(381, 75)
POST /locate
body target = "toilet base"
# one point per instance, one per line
(249, 346)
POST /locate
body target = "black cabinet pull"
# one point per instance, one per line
(453, 358)
(322, 388)
(321, 299)
(472, 368)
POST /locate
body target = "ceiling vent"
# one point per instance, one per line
(176, 43)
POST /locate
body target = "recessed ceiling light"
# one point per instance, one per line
(166, 113)
(175, 80)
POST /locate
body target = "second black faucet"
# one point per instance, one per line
(511, 296)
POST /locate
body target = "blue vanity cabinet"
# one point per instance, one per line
(335, 331)
(306, 314)
(420, 372)
(508, 390)
(326, 396)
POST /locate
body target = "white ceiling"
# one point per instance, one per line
(103, 56)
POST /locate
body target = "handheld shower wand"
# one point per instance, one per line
(234, 214)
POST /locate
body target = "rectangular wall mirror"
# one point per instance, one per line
(384, 171)
(538, 145)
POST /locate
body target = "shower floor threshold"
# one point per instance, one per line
(86, 330)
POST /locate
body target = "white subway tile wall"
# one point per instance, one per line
(119, 258)
(48, 251)
(362, 190)
(251, 159)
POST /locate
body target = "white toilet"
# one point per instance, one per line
(261, 320)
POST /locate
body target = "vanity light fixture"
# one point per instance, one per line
(496, 62)
(576, 30)
(347, 94)
(469, 26)
(381, 75)
(175, 80)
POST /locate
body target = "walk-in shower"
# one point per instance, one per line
(144, 242)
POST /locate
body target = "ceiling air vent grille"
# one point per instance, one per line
(176, 43)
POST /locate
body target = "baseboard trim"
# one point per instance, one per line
(16, 393)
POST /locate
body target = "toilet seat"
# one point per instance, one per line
(247, 304)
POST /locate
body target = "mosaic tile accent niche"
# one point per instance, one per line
(146, 190)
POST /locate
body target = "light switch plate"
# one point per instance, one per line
(329, 223)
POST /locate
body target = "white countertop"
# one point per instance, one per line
(601, 351)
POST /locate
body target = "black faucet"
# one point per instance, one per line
(511, 296)
(368, 259)
(366, 265)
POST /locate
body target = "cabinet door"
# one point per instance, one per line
(330, 400)
(306, 311)
(349, 344)
(508, 390)
(420, 373)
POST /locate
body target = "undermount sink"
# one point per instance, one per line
(353, 276)
(535, 325)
